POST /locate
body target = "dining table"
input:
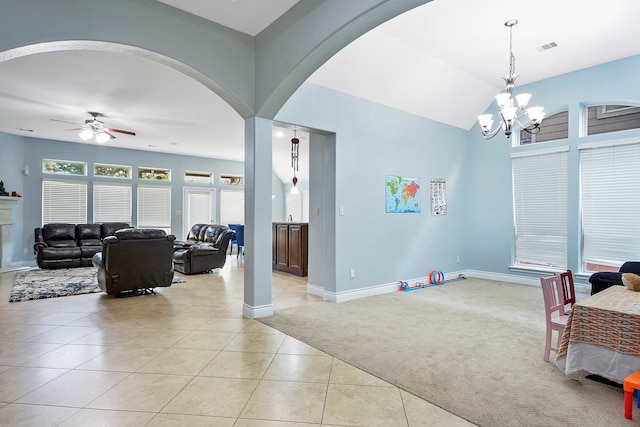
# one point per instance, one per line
(602, 335)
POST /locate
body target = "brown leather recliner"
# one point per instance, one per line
(135, 261)
(204, 250)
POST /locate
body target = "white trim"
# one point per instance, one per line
(379, 289)
(315, 290)
(257, 312)
(393, 287)
(608, 143)
(360, 293)
(531, 153)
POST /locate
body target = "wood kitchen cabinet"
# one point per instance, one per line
(290, 247)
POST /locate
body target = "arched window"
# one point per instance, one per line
(553, 127)
(612, 118)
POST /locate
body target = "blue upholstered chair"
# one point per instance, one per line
(240, 239)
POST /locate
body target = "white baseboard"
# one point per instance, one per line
(257, 312)
(315, 290)
(13, 269)
(532, 281)
(393, 287)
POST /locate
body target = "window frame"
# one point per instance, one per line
(63, 197)
(124, 206)
(75, 162)
(607, 239)
(129, 168)
(532, 239)
(141, 220)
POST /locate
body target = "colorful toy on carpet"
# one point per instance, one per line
(436, 277)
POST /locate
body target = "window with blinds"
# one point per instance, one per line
(111, 203)
(609, 182)
(64, 201)
(540, 190)
(154, 207)
(231, 207)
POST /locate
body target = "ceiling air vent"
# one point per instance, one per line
(548, 46)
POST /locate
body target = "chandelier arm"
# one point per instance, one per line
(492, 133)
(531, 128)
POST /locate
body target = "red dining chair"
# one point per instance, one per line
(569, 291)
(556, 319)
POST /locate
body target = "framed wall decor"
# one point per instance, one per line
(402, 194)
(438, 196)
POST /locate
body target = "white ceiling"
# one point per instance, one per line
(432, 61)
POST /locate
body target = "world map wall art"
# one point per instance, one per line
(402, 194)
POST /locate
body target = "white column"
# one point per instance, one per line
(257, 218)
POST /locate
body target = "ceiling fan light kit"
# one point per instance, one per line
(513, 110)
(95, 128)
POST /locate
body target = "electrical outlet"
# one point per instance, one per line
(25, 250)
(352, 273)
(458, 258)
(315, 211)
(341, 210)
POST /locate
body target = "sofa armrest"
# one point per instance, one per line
(38, 246)
(97, 261)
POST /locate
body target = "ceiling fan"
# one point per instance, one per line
(94, 127)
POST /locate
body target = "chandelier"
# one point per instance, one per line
(294, 161)
(513, 110)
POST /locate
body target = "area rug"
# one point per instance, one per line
(39, 284)
(473, 348)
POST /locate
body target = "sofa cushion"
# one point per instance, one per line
(88, 231)
(64, 232)
(140, 233)
(202, 233)
(110, 228)
(60, 254)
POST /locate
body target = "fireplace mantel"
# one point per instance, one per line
(7, 203)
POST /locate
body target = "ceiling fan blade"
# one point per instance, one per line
(64, 121)
(110, 135)
(126, 132)
(74, 129)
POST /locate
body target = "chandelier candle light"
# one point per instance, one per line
(512, 112)
(294, 161)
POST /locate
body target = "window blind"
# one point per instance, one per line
(111, 203)
(540, 189)
(64, 201)
(609, 182)
(199, 207)
(154, 207)
(231, 207)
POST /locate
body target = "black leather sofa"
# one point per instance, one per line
(603, 280)
(204, 250)
(135, 261)
(60, 245)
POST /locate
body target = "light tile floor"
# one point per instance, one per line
(183, 357)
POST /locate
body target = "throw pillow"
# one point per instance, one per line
(631, 281)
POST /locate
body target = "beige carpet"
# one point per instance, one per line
(472, 347)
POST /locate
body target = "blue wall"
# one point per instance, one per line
(373, 141)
